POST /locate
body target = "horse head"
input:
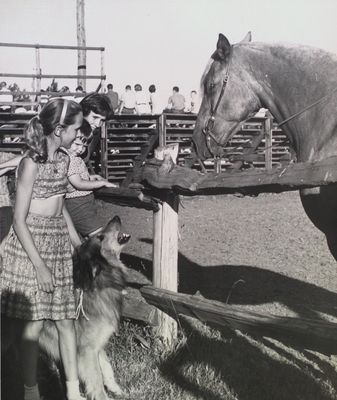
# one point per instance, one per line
(228, 98)
(297, 83)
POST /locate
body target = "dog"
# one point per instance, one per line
(99, 277)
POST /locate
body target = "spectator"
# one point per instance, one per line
(63, 92)
(80, 200)
(154, 104)
(194, 103)
(80, 93)
(176, 102)
(113, 98)
(44, 97)
(128, 101)
(142, 102)
(5, 97)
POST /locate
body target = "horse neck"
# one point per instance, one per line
(289, 79)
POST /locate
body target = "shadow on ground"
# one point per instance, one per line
(246, 285)
(247, 371)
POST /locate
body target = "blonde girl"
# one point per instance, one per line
(36, 278)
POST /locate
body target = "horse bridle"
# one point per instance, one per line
(207, 131)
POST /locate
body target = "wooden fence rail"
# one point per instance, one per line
(302, 332)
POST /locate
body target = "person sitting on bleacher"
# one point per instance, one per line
(176, 102)
(128, 101)
(142, 101)
(5, 98)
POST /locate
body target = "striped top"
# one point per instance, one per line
(51, 178)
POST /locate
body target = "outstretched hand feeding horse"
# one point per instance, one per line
(298, 84)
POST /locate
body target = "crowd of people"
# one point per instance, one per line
(132, 101)
(54, 209)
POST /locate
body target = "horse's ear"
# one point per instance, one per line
(223, 48)
(247, 38)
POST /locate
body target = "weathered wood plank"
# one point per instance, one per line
(138, 310)
(251, 181)
(303, 332)
(165, 258)
(126, 197)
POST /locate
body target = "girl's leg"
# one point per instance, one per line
(30, 355)
(68, 353)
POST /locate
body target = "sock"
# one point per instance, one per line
(73, 390)
(31, 392)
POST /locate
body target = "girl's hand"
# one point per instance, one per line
(45, 278)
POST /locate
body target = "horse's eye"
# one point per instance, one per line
(100, 237)
(211, 86)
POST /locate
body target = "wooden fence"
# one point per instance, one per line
(38, 76)
(129, 139)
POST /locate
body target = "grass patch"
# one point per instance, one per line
(202, 364)
(212, 365)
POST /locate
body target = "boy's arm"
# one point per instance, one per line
(81, 184)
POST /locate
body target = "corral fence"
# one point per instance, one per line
(128, 140)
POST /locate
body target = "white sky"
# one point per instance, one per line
(165, 42)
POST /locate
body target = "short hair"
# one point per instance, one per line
(110, 86)
(152, 88)
(79, 88)
(194, 91)
(138, 87)
(127, 87)
(86, 128)
(98, 103)
(175, 88)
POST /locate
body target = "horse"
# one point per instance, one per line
(298, 85)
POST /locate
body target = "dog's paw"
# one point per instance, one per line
(115, 388)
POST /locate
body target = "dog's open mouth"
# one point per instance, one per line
(123, 238)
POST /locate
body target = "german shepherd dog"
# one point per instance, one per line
(100, 277)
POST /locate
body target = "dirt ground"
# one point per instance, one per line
(262, 253)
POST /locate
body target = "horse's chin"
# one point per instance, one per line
(202, 151)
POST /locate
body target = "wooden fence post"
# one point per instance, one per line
(38, 72)
(165, 258)
(268, 141)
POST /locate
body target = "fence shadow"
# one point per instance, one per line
(246, 285)
(245, 369)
